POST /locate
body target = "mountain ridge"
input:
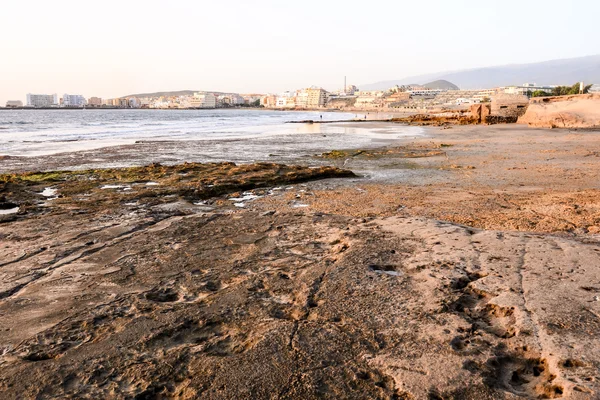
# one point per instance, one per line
(552, 72)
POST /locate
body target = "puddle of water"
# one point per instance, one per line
(124, 187)
(152, 183)
(244, 198)
(113, 187)
(392, 273)
(49, 192)
(9, 211)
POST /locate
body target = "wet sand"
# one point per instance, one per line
(464, 265)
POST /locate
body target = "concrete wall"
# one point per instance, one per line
(509, 105)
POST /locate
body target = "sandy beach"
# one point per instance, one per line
(458, 263)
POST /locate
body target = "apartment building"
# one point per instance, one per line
(268, 101)
(316, 97)
(95, 102)
(73, 100)
(302, 99)
(203, 100)
(286, 102)
(41, 100)
(369, 98)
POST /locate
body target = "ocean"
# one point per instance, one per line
(85, 138)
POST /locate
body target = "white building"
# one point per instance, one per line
(285, 102)
(203, 100)
(369, 98)
(350, 90)
(134, 102)
(14, 104)
(526, 89)
(465, 100)
(41, 100)
(301, 99)
(73, 100)
(236, 100)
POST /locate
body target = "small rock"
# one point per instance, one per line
(593, 229)
(582, 389)
(267, 213)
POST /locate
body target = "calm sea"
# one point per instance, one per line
(183, 135)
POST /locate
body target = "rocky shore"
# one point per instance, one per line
(461, 265)
(577, 111)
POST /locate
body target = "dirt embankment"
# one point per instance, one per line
(580, 111)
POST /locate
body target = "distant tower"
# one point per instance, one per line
(344, 84)
(581, 87)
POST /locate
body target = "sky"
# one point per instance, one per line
(114, 48)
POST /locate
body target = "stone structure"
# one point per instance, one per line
(509, 105)
(480, 112)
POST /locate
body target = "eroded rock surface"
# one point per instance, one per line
(294, 304)
(580, 111)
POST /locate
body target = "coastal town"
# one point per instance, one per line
(416, 98)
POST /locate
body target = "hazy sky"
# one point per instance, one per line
(114, 48)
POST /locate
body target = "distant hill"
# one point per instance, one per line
(441, 84)
(170, 94)
(554, 72)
